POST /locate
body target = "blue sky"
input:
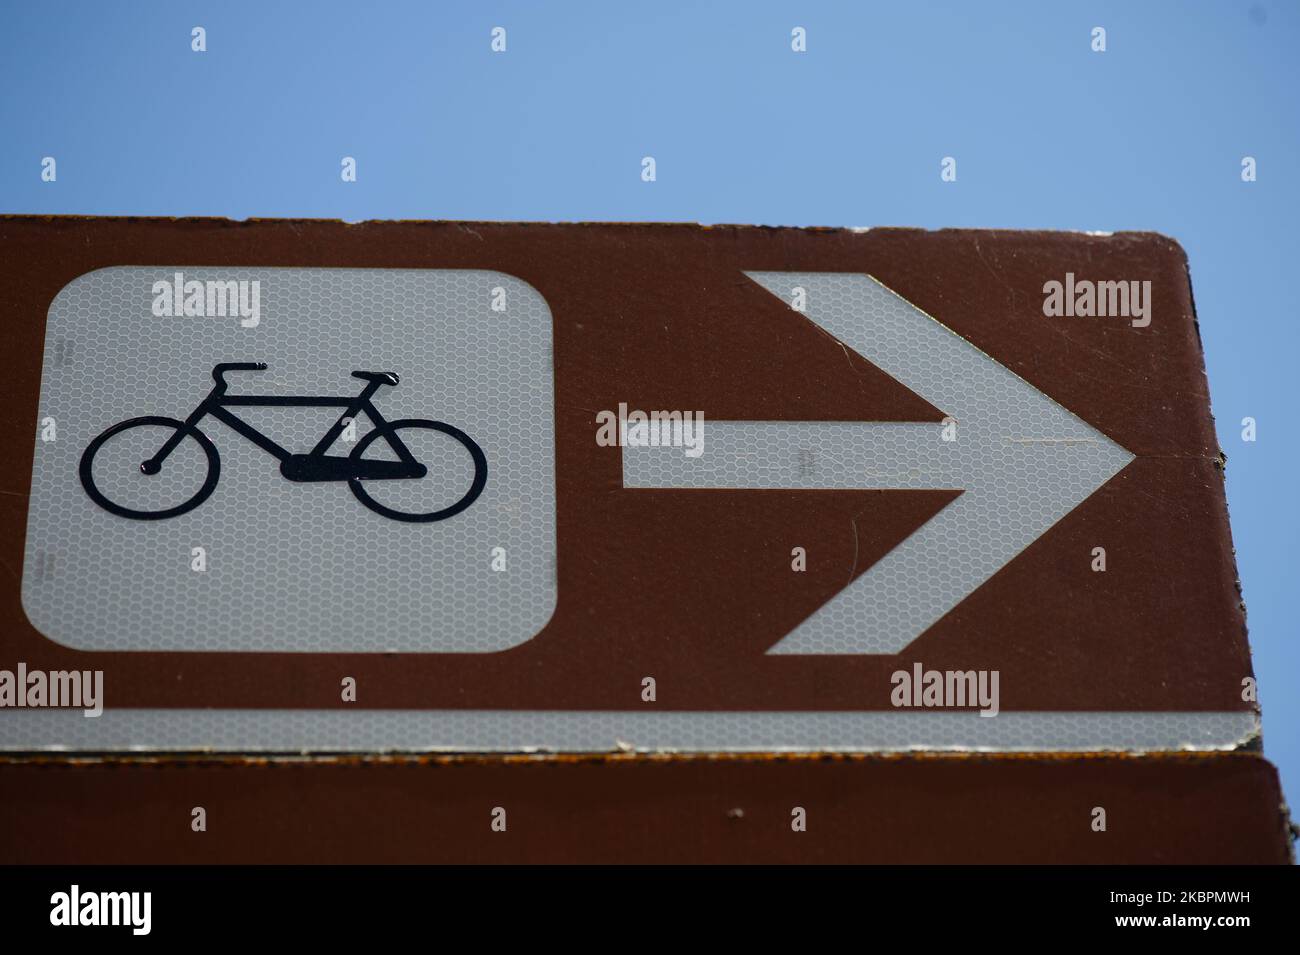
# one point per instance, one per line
(1048, 134)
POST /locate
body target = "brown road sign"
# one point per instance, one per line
(658, 486)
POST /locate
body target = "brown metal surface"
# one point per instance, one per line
(913, 809)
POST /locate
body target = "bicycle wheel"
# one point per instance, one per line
(448, 474)
(123, 476)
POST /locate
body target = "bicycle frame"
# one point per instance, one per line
(316, 465)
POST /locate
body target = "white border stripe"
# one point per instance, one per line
(570, 731)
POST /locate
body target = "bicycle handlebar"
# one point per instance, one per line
(219, 372)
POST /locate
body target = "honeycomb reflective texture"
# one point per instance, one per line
(515, 731)
(1021, 461)
(296, 566)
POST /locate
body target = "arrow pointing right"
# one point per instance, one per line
(1021, 460)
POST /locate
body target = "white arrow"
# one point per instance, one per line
(1021, 460)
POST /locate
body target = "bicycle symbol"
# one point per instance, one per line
(313, 466)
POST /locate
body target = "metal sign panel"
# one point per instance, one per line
(440, 486)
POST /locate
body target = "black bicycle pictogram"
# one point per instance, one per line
(316, 465)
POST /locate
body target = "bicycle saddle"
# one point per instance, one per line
(386, 377)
